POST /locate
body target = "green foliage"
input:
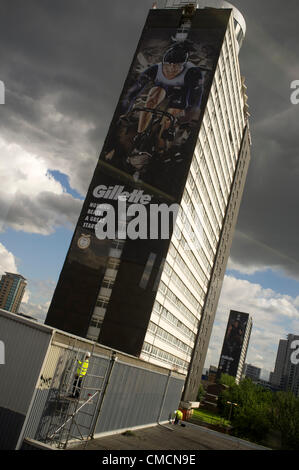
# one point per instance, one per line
(209, 416)
(285, 418)
(260, 411)
(251, 417)
(201, 393)
(231, 393)
(227, 379)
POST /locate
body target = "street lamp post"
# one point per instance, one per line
(231, 407)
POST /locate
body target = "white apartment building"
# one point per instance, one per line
(179, 305)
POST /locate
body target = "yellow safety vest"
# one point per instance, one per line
(179, 414)
(82, 369)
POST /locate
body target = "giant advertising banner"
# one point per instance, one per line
(233, 343)
(132, 202)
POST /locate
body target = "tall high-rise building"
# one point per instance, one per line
(235, 345)
(12, 289)
(146, 263)
(286, 372)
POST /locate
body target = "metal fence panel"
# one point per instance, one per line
(134, 398)
(26, 345)
(172, 398)
(43, 391)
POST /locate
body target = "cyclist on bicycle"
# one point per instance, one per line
(176, 79)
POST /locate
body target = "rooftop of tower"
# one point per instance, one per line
(240, 24)
(15, 275)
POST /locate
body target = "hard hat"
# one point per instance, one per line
(87, 354)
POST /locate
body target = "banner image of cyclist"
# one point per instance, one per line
(158, 118)
(176, 79)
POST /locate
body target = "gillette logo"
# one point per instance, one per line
(115, 192)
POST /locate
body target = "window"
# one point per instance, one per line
(107, 283)
(102, 302)
(117, 244)
(113, 263)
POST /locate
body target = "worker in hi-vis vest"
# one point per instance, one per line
(178, 416)
(80, 373)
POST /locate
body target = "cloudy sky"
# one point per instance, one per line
(63, 64)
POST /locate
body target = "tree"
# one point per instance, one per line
(250, 416)
(251, 419)
(226, 379)
(259, 411)
(285, 418)
(230, 394)
(201, 393)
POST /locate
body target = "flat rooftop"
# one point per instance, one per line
(169, 437)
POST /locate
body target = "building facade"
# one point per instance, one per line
(186, 141)
(12, 289)
(235, 345)
(252, 372)
(286, 372)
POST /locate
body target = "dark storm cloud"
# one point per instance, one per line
(71, 49)
(268, 226)
(72, 55)
(64, 63)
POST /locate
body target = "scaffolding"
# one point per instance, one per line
(71, 417)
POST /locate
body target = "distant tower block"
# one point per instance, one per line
(12, 289)
(235, 345)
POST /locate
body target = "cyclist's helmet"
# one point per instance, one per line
(176, 55)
